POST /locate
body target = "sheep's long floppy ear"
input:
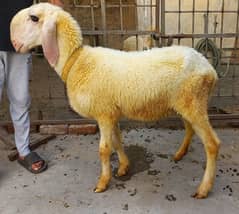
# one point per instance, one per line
(49, 40)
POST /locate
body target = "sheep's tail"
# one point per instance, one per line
(211, 80)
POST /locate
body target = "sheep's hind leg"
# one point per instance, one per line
(203, 129)
(123, 159)
(186, 141)
(105, 149)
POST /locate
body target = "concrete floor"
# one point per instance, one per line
(155, 185)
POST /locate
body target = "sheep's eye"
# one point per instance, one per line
(34, 18)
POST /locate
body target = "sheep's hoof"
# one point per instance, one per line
(122, 171)
(178, 156)
(103, 183)
(199, 195)
(98, 190)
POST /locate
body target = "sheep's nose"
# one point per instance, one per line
(16, 44)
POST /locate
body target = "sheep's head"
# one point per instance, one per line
(36, 26)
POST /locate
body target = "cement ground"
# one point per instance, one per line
(155, 185)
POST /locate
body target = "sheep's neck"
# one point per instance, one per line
(69, 39)
(70, 62)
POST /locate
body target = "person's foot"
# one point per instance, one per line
(33, 162)
(35, 166)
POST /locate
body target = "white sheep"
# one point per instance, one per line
(106, 84)
(141, 42)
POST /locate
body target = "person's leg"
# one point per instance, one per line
(2, 72)
(18, 68)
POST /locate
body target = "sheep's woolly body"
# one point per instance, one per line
(138, 85)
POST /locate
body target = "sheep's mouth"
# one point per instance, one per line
(19, 48)
(22, 49)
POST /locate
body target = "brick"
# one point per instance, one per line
(54, 129)
(10, 129)
(83, 129)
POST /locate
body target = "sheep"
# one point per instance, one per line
(106, 85)
(142, 42)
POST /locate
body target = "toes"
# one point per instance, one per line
(37, 166)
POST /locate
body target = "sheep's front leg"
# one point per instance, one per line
(105, 149)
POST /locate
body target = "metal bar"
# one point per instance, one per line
(231, 49)
(200, 11)
(137, 42)
(157, 21)
(227, 57)
(130, 5)
(112, 6)
(164, 36)
(221, 40)
(92, 17)
(121, 22)
(151, 15)
(92, 14)
(218, 35)
(215, 27)
(121, 16)
(206, 27)
(193, 21)
(95, 5)
(116, 32)
(237, 23)
(179, 19)
(162, 31)
(85, 6)
(103, 17)
(136, 15)
(207, 16)
(222, 21)
(235, 48)
(137, 24)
